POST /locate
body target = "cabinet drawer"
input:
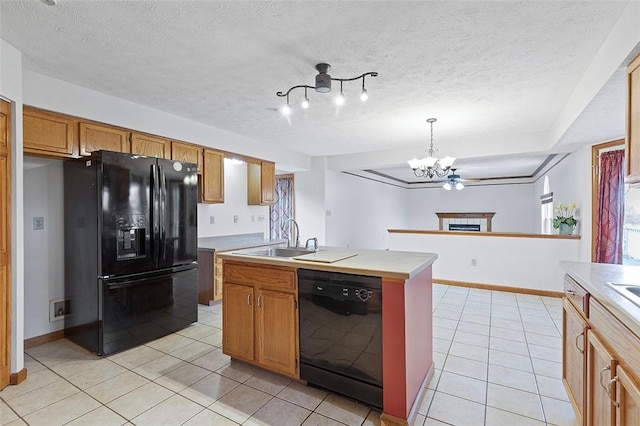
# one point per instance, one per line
(266, 276)
(577, 295)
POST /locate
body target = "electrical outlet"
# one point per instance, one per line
(235, 218)
(38, 223)
(253, 218)
(261, 218)
(474, 262)
(328, 213)
(212, 220)
(59, 309)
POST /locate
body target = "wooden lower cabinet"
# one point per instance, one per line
(627, 399)
(238, 321)
(574, 328)
(262, 301)
(609, 373)
(276, 322)
(601, 367)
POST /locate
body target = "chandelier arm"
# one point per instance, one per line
(372, 74)
(283, 94)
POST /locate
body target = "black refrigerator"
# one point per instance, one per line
(130, 249)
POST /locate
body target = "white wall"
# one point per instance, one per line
(44, 249)
(514, 206)
(532, 263)
(11, 90)
(250, 218)
(310, 201)
(362, 210)
(570, 182)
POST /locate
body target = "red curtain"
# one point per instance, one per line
(610, 208)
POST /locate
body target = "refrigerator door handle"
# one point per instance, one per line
(163, 218)
(155, 208)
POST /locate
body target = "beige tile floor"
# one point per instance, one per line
(498, 362)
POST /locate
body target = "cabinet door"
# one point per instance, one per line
(150, 146)
(46, 133)
(261, 182)
(268, 178)
(633, 121)
(187, 153)
(94, 137)
(601, 368)
(574, 328)
(213, 177)
(277, 328)
(628, 399)
(237, 321)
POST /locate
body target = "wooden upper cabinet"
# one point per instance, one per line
(633, 121)
(94, 137)
(213, 177)
(261, 183)
(151, 146)
(50, 134)
(187, 153)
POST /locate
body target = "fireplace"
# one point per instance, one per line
(472, 227)
(465, 221)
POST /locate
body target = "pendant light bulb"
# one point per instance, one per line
(447, 186)
(305, 103)
(286, 110)
(364, 95)
(459, 186)
(340, 98)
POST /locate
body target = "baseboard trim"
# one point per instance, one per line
(497, 287)
(19, 377)
(45, 338)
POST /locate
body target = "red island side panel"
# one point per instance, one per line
(407, 340)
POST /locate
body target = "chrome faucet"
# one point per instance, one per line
(315, 243)
(288, 233)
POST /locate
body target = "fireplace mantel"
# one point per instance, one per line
(465, 215)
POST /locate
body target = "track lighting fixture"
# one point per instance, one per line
(323, 85)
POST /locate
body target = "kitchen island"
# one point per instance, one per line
(261, 317)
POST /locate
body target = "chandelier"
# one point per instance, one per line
(323, 85)
(431, 166)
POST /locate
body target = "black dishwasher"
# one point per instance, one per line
(341, 333)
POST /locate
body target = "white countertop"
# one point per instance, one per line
(377, 263)
(593, 276)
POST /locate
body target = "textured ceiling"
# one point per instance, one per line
(484, 69)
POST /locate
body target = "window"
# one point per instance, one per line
(282, 208)
(546, 208)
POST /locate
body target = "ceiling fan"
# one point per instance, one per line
(455, 181)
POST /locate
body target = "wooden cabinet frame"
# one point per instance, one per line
(270, 293)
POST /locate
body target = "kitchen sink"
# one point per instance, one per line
(630, 291)
(276, 252)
